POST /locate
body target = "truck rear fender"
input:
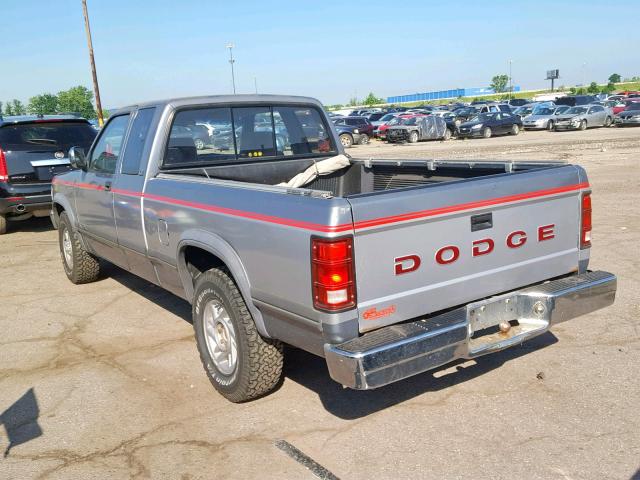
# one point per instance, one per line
(227, 256)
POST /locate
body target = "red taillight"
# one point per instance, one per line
(332, 274)
(585, 230)
(4, 173)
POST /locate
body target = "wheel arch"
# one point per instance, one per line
(61, 204)
(200, 251)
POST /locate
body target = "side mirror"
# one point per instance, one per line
(77, 158)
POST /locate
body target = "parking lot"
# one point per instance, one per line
(104, 380)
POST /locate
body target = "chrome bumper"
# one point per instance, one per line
(400, 351)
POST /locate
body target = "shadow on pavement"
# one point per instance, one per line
(31, 225)
(148, 290)
(311, 372)
(20, 421)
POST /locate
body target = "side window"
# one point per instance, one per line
(254, 132)
(104, 156)
(136, 142)
(200, 135)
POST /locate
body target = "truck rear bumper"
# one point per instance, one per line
(400, 351)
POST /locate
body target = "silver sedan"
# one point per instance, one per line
(543, 117)
(583, 117)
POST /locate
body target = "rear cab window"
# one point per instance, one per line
(243, 134)
(47, 135)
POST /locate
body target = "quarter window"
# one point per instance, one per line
(104, 156)
(136, 142)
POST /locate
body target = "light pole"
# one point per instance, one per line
(510, 82)
(584, 74)
(255, 84)
(231, 62)
(92, 61)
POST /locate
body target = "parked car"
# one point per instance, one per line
(494, 107)
(382, 120)
(363, 125)
(348, 135)
(384, 268)
(543, 117)
(575, 100)
(381, 130)
(374, 117)
(464, 114)
(524, 110)
(415, 128)
(583, 117)
(32, 150)
(489, 124)
(629, 116)
(518, 102)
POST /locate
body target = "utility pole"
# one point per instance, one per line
(96, 90)
(510, 82)
(231, 62)
(584, 74)
(255, 84)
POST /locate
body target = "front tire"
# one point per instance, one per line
(551, 126)
(608, 122)
(413, 137)
(447, 134)
(486, 133)
(3, 224)
(79, 265)
(364, 139)
(240, 364)
(346, 140)
(199, 143)
(515, 129)
(583, 125)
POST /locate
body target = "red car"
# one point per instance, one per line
(381, 131)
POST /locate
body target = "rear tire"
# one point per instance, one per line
(364, 139)
(3, 224)
(515, 129)
(551, 125)
(79, 265)
(486, 133)
(583, 125)
(346, 140)
(413, 137)
(608, 122)
(199, 143)
(240, 364)
(447, 135)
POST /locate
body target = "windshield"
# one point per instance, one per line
(483, 117)
(576, 111)
(543, 111)
(409, 121)
(561, 109)
(633, 106)
(387, 117)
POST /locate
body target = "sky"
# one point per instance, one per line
(331, 50)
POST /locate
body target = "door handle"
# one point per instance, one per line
(107, 186)
(481, 222)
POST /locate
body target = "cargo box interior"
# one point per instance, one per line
(362, 176)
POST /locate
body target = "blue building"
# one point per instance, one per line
(444, 94)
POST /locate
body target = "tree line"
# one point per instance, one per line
(76, 100)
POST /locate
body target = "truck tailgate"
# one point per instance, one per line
(424, 249)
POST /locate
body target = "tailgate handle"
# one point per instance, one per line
(481, 222)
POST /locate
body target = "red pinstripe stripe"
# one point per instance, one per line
(347, 226)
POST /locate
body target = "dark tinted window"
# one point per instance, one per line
(136, 142)
(104, 156)
(54, 136)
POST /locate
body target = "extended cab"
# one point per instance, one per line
(385, 268)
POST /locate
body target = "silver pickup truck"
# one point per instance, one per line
(248, 208)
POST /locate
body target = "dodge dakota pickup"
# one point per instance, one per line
(386, 268)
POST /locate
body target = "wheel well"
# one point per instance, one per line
(199, 260)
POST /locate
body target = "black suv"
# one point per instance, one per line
(32, 150)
